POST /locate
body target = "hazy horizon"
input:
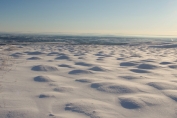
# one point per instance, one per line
(83, 17)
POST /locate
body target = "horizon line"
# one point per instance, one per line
(90, 34)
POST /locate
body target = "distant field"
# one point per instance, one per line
(102, 40)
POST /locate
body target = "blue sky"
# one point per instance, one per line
(115, 17)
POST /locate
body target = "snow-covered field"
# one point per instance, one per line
(88, 81)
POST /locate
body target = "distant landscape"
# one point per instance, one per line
(70, 39)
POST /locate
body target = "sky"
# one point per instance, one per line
(107, 17)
